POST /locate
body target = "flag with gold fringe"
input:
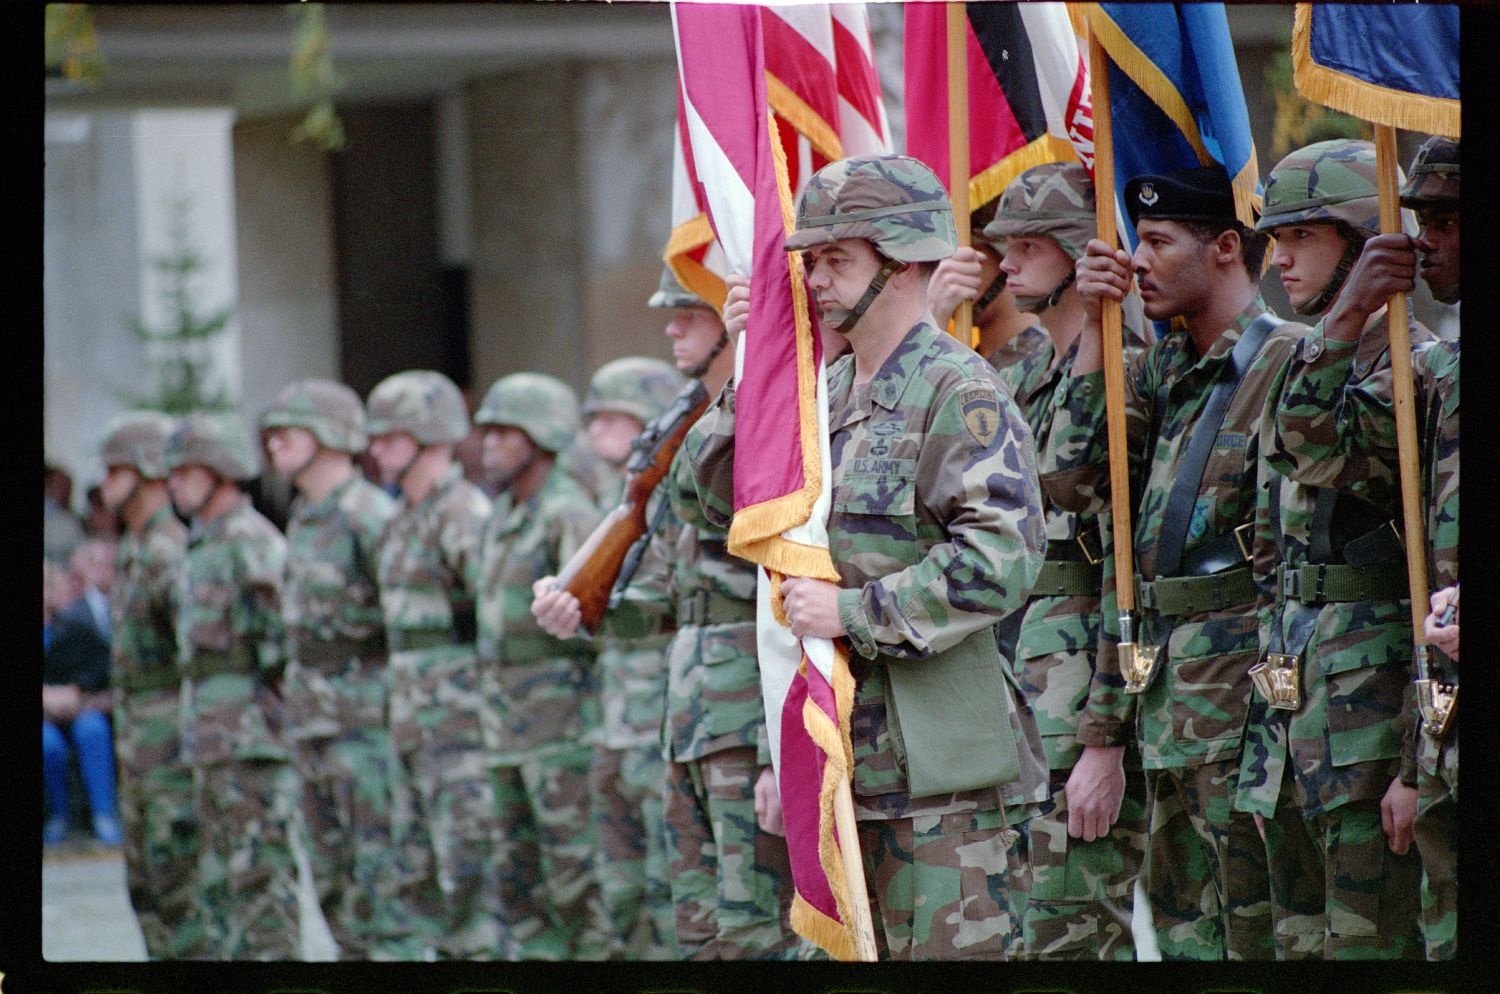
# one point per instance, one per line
(1175, 96)
(1028, 91)
(768, 96)
(1393, 64)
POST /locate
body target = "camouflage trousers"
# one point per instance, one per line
(1437, 840)
(440, 893)
(946, 887)
(1337, 890)
(731, 882)
(247, 870)
(1206, 867)
(549, 896)
(159, 822)
(346, 807)
(1083, 893)
(625, 786)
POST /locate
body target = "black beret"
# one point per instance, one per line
(1200, 194)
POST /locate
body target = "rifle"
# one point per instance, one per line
(591, 573)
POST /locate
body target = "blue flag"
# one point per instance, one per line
(1174, 95)
(1395, 65)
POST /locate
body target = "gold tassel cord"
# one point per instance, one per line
(1368, 101)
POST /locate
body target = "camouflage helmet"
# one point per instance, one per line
(635, 385)
(331, 411)
(542, 406)
(1434, 174)
(1055, 199)
(138, 439)
(1329, 181)
(893, 201)
(218, 440)
(424, 404)
(671, 294)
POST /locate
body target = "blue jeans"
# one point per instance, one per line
(90, 737)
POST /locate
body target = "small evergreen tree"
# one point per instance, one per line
(181, 367)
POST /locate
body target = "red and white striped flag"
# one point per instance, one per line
(1028, 92)
(768, 97)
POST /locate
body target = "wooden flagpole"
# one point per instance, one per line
(1405, 407)
(1113, 345)
(958, 147)
(854, 871)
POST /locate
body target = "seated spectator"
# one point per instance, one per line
(76, 701)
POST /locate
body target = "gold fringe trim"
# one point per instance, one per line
(764, 523)
(1135, 64)
(992, 182)
(755, 532)
(833, 937)
(796, 111)
(1366, 101)
(833, 739)
(686, 238)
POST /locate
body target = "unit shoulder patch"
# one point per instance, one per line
(981, 413)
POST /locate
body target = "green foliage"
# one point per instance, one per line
(1298, 121)
(179, 355)
(72, 48)
(314, 79)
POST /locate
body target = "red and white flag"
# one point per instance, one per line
(768, 97)
(1028, 91)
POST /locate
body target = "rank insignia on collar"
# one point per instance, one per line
(981, 411)
(1148, 194)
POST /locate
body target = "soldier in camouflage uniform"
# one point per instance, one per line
(442, 898)
(1205, 867)
(730, 877)
(1004, 333)
(539, 690)
(627, 770)
(937, 533)
(230, 647)
(1338, 430)
(335, 676)
(1317, 761)
(1083, 881)
(157, 809)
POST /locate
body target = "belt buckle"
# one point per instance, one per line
(1088, 556)
(1278, 677)
(1437, 702)
(1244, 537)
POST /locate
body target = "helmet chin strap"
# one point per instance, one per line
(194, 512)
(888, 268)
(1035, 305)
(401, 476)
(305, 463)
(1319, 303)
(996, 288)
(700, 370)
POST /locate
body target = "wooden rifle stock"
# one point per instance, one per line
(590, 575)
